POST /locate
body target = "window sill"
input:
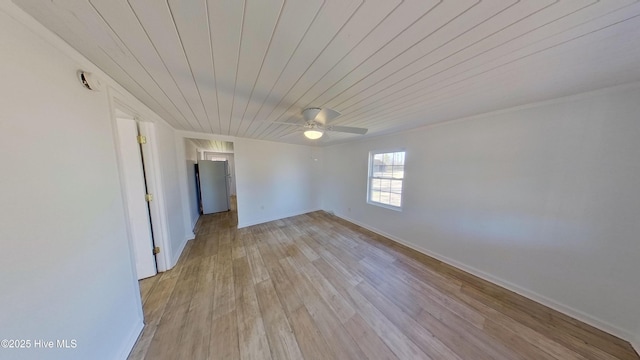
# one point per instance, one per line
(390, 207)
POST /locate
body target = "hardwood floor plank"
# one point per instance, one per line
(367, 340)
(224, 343)
(312, 343)
(237, 243)
(318, 287)
(531, 347)
(223, 284)
(282, 341)
(146, 285)
(421, 336)
(211, 244)
(328, 292)
(256, 263)
(170, 328)
(286, 293)
(350, 276)
(325, 319)
(552, 341)
(393, 337)
(594, 337)
(308, 252)
(251, 333)
(158, 298)
(399, 282)
(141, 348)
(337, 280)
(195, 336)
(433, 278)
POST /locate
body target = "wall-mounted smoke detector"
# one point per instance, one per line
(89, 80)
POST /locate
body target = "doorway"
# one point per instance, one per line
(205, 155)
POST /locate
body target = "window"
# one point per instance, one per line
(386, 176)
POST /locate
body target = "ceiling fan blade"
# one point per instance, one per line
(310, 114)
(286, 123)
(326, 115)
(347, 129)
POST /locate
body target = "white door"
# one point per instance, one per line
(135, 191)
(213, 186)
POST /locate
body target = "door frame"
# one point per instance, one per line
(159, 223)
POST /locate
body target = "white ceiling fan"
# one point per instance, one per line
(316, 123)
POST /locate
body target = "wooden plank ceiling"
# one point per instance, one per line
(212, 145)
(233, 67)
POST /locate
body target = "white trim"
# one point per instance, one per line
(134, 187)
(191, 231)
(135, 286)
(370, 177)
(206, 136)
(159, 217)
(383, 205)
(214, 151)
(567, 310)
(268, 219)
(177, 254)
(131, 340)
(180, 157)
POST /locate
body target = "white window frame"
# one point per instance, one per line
(370, 177)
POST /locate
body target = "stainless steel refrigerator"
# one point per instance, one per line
(213, 185)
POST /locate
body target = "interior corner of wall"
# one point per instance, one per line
(131, 339)
(178, 252)
(635, 343)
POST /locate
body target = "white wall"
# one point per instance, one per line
(542, 199)
(273, 181)
(191, 151)
(179, 232)
(191, 158)
(65, 259)
(317, 156)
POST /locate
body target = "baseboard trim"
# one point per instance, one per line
(131, 340)
(193, 226)
(176, 254)
(268, 219)
(567, 310)
(635, 344)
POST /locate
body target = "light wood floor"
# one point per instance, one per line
(316, 287)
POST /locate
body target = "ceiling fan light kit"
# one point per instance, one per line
(313, 134)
